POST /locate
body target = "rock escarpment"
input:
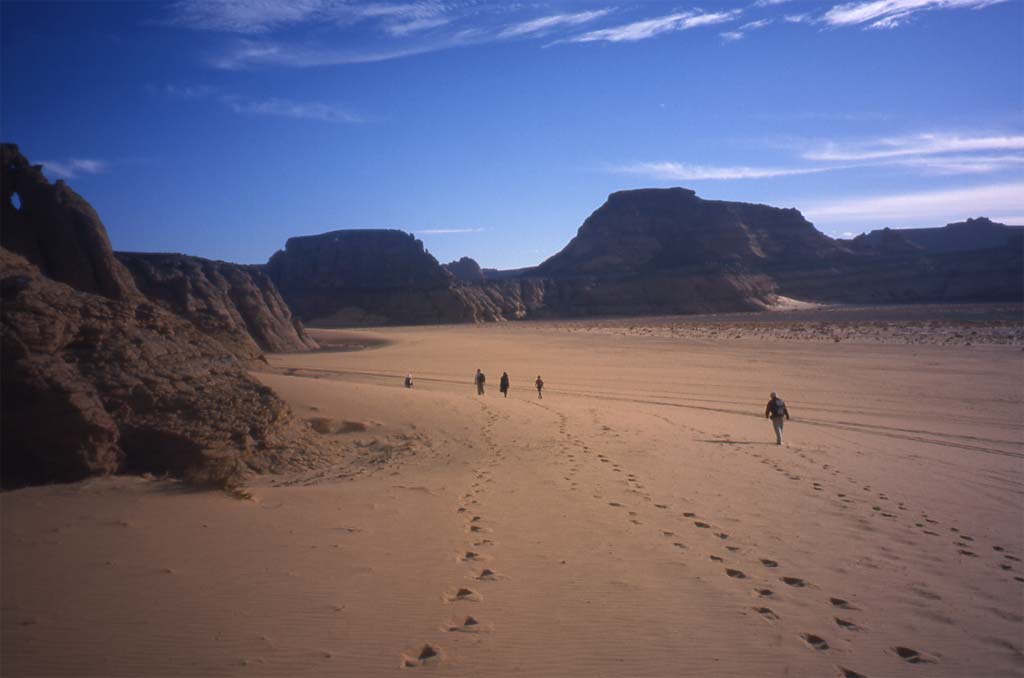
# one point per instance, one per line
(370, 277)
(465, 269)
(96, 377)
(656, 230)
(651, 251)
(238, 305)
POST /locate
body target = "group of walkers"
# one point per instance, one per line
(775, 410)
(480, 379)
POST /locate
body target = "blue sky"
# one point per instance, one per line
(494, 129)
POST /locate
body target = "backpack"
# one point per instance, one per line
(778, 407)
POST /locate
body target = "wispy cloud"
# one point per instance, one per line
(892, 13)
(546, 23)
(252, 53)
(252, 17)
(448, 231)
(923, 207)
(963, 164)
(283, 108)
(74, 167)
(923, 154)
(738, 34)
(674, 171)
(642, 30)
(242, 16)
(917, 145)
(273, 106)
(175, 91)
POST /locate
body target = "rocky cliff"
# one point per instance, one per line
(465, 269)
(370, 277)
(651, 251)
(238, 305)
(98, 379)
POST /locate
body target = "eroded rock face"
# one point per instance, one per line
(466, 270)
(649, 230)
(57, 230)
(365, 277)
(238, 305)
(98, 379)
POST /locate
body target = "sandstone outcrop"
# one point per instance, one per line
(238, 305)
(98, 379)
(365, 277)
(465, 269)
(650, 251)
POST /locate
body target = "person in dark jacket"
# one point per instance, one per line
(777, 412)
(540, 386)
(480, 380)
(503, 386)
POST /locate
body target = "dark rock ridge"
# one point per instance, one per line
(465, 269)
(98, 379)
(648, 230)
(964, 236)
(651, 251)
(372, 276)
(238, 305)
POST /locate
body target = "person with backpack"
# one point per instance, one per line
(540, 386)
(480, 379)
(503, 385)
(408, 380)
(777, 412)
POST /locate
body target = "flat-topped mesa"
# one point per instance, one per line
(238, 305)
(360, 258)
(647, 230)
(368, 276)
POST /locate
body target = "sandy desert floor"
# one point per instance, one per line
(637, 521)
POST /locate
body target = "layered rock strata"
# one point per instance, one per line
(96, 377)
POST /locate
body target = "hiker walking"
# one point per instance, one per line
(777, 412)
(540, 386)
(503, 385)
(480, 379)
(408, 380)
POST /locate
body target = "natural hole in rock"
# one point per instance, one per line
(16, 201)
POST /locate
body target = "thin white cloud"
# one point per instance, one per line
(402, 28)
(891, 13)
(242, 16)
(963, 164)
(797, 18)
(642, 30)
(74, 167)
(252, 53)
(185, 91)
(449, 231)
(738, 34)
(674, 171)
(283, 108)
(923, 207)
(548, 22)
(918, 145)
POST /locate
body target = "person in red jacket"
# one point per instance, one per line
(777, 412)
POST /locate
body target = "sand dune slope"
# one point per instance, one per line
(637, 521)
